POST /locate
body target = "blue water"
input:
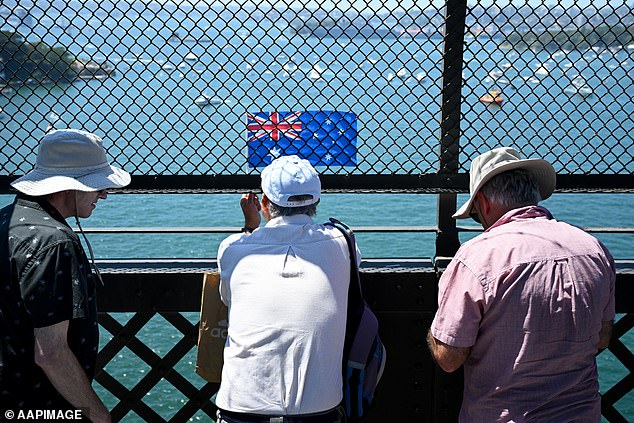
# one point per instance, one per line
(149, 123)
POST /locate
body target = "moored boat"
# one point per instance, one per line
(583, 90)
(207, 100)
(492, 97)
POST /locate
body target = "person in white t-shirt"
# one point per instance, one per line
(286, 287)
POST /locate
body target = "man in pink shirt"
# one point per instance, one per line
(526, 305)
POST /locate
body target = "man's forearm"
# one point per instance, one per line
(69, 379)
(64, 371)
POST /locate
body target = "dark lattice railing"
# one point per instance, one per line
(161, 299)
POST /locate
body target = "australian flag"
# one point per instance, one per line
(325, 138)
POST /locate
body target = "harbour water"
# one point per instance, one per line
(151, 124)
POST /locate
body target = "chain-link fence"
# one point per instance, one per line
(214, 89)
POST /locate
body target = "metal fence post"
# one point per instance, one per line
(447, 238)
(447, 390)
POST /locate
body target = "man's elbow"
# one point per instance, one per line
(49, 357)
(603, 343)
(449, 366)
(447, 357)
(604, 335)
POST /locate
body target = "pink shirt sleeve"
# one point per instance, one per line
(461, 304)
(609, 311)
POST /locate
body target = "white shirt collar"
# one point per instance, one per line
(297, 219)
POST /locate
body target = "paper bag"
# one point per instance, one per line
(212, 333)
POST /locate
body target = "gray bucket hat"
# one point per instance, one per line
(71, 159)
(487, 165)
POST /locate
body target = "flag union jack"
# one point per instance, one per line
(275, 126)
(325, 138)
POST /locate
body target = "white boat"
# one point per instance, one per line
(581, 90)
(542, 71)
(290, 67)
(207, 100)
(401, 74)
(52, 119)
(558, 54)
(168, 67)
(495, 74)
(420, 76)
(578, 80)
(315, 72)
(530, 79)
(191, 57)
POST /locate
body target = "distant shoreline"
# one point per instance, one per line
(35, 63)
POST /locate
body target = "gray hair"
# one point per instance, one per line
(513, 189)
(310, 210)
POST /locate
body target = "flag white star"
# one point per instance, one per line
(275, 153)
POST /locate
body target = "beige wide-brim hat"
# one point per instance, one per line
(71, 159)
(487, 165)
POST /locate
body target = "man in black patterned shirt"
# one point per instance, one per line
(48, 311)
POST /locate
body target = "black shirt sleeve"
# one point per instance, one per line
(51, 285)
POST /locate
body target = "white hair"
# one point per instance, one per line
(513, 189)
(310, 210)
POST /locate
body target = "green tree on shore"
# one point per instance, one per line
(581, 38)
(22, 61)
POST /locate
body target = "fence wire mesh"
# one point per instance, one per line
(356, 88)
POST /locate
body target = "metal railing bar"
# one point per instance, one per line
(451, 181)
(202, 230)
(358, 229)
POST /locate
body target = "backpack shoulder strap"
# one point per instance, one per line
(355, 295)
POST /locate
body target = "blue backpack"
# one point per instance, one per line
(363, 352)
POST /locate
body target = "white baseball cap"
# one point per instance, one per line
(71, 159)
(487, 165)
(290, 176)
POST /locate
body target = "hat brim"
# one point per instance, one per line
(544, 174)
(36, 183)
